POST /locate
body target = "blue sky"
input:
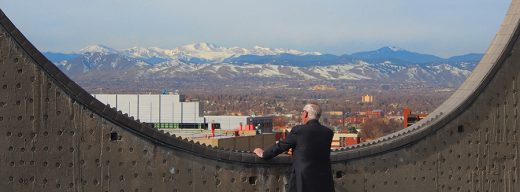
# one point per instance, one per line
(441, 27)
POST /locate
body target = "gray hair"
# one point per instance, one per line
(313, 110)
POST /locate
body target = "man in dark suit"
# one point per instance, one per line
(310, 144)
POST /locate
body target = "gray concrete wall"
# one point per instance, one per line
(54, 136)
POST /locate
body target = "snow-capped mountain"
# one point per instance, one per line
(100, 62)
(204, 60)
(206, 52)
(98, 49)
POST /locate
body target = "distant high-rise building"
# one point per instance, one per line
(367, 99)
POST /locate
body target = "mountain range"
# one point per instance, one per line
(205, 60)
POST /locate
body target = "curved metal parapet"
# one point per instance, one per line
(56, 137)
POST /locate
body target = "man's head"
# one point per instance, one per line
(310, 111)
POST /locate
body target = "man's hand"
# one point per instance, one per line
(259, 152)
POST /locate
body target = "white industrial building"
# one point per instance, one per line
(228, 122)
(171, 110)
(265, 124)
(155, 108)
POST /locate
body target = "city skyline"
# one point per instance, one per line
(444, 28)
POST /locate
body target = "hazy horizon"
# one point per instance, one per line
(310, 51)
(443, 28)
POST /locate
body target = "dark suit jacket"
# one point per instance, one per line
(311, 156)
